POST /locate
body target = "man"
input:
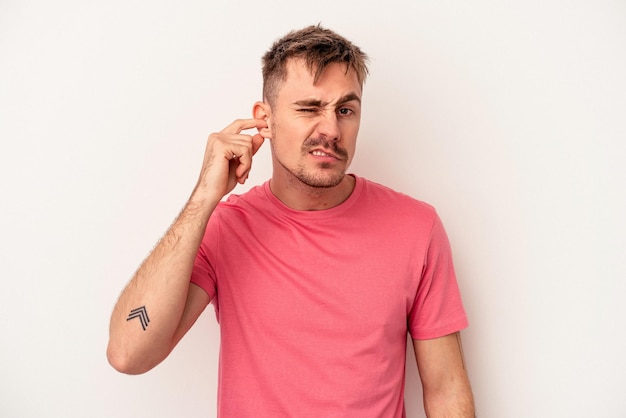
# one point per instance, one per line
(316, 276)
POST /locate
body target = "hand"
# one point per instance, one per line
(228, 157)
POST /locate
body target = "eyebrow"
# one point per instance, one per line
(318, 103)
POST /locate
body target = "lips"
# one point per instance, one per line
(320, 153)
(324, 148)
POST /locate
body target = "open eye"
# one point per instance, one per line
(345, 111)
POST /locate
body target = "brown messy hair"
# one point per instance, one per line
(318, 47)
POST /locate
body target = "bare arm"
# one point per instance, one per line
(160, 290)
(447, 391)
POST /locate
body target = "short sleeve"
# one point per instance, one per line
(437, 309)
(203, 273)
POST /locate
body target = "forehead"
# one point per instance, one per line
(336, 80)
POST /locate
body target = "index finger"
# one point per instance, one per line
(242, 124)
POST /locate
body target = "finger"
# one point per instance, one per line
(242, 158)
(246, 159)
(243, 148)
(243, 168)
(242, 124)
(239, 147)
(235, 145)
(257, 141)
(230, 145)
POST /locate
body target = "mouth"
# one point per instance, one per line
(325, 150)
(320, 153)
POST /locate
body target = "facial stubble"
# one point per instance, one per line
(312, 177)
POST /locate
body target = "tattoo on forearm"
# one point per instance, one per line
(142, 314)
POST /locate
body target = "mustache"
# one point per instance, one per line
(326, 144)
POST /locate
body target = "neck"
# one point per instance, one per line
(299, 196)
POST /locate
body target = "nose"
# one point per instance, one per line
(328, 126)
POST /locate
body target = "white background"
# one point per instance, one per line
(509, 117)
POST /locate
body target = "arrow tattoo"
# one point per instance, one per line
(142, 314)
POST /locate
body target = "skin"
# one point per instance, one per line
(312, 129)
(446, 387)
(162, 281)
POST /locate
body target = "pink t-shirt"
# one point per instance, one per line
(314, 306)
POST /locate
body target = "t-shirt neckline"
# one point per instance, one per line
(316, 214)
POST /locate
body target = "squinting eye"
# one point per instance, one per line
(307, 110)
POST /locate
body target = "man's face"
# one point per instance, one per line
(314, 126)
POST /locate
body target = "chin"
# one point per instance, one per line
(321, 181)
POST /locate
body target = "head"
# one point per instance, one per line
(312, 85)
(317, 47)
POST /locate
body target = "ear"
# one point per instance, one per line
(262, 110)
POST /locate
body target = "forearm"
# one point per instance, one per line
(455, 401)
(447, 390)
(160, 285)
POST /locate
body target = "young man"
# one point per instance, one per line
(317, 275)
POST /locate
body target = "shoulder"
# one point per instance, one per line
(387, 198)
(252, 198)
(239, 210)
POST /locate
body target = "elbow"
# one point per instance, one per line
(458, 403)
(124, 362)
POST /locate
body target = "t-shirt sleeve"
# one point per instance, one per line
(437, 309)
(203, 273)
